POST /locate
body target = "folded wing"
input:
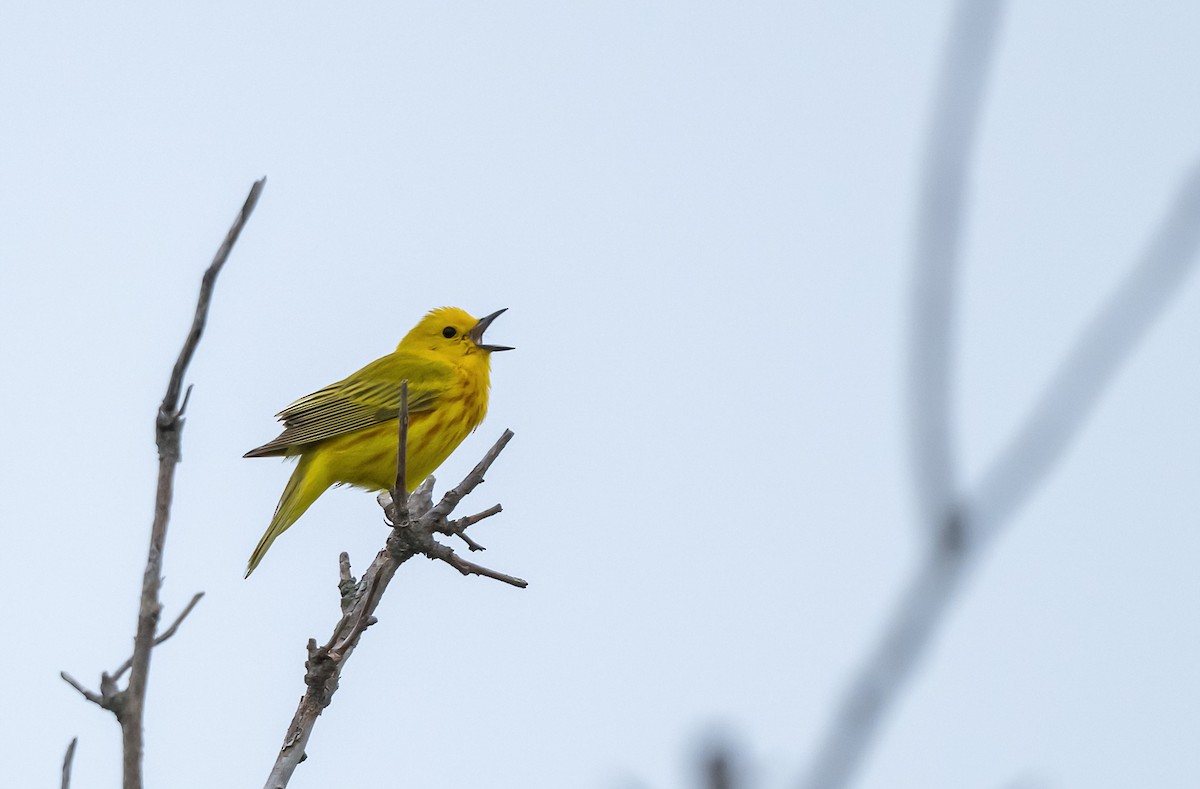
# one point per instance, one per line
(366, 398)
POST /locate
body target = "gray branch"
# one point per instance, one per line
(414, 520)
(170, 631)
(866, 701)
(128, 704)
(1106, 343)
(67, 760)
(960, 524)
(939, 231)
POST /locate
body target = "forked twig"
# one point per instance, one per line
(960, 524)
(170, 631)
(458, 527)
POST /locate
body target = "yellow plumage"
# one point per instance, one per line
(347, 432)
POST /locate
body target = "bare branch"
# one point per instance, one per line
(462, 523)
(886, 670)
(129, 704)
(168, 429)
(458, 527)
(470, 568)
(400, 490)
(1098, 353)
(412, 534)
(170, 631)
(206, 289)
(943, 202)
(718, 769)
(473, 480)
(961, 524)
(67, 759)
(867, 700)
(90, 695)
(469, 541)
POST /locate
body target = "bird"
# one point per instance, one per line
(347, 432)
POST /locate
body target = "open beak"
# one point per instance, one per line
(476, 333)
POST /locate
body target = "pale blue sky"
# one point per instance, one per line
(699, 217)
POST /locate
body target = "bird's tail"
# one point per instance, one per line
(301, 491)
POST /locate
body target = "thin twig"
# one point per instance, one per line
(459, 524)
(400, 491)
(1097, 354)
(452, 497)
(170, 631)
(412, 534)
(169, 426)
(941, 207)
(206, 288)
(129, 704)
(887, 668)
(67, 759)
(470, 568)
(458, 527)
(469, 541)
(949, 146)
(91, 696)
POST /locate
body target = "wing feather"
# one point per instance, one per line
(368, 397)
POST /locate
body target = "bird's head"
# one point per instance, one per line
(453, 331)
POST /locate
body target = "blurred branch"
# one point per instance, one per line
(940, 210)
(414, 521)
(1104, 345)
(718, 769)
(128, 704)
(960, 525)
(887, 668)
(956, 111)
(67, 759)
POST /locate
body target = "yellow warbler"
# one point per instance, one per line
(347, 432)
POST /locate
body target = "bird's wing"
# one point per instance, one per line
(368, 397)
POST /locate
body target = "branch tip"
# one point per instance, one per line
(68, 758)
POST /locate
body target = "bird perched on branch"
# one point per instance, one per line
(347, 433)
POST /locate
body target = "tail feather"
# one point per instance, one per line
(301, 491)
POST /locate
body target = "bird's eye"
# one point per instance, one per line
(449, 332)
